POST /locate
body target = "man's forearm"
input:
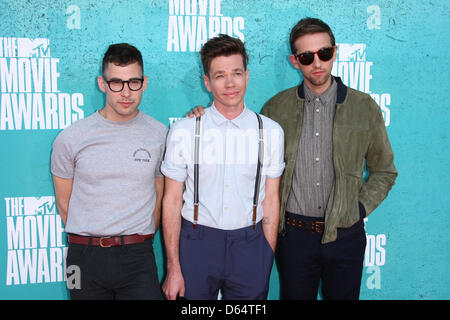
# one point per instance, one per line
(270, 223)
(271, 209)
(159, 187)
(379, 164)
(63, 192)
(171, 222)
(62, 210)
(171, 225)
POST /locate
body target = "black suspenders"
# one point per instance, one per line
(258, 168)
(196, 155)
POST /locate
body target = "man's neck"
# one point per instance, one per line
(116, 118)
(230, 112)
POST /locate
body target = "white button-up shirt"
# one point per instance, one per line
(227, 165)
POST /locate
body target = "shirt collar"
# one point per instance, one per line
(219, 119)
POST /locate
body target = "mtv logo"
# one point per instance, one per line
(351, 52)
(33, 48)
(41, 205)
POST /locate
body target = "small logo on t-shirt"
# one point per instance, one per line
(142, 155)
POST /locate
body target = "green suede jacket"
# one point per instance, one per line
(359, 134)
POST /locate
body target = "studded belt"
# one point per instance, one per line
(313, 226)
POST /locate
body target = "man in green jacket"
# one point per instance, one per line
(331, 133)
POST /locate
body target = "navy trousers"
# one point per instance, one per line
(236, 262)
(126, 272)
(303, 263)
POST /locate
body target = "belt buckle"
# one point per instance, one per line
(100, 242)
(316, 227)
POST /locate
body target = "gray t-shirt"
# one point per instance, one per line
(113, 166)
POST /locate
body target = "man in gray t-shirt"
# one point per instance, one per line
(108, 186)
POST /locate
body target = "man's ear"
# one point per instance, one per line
(207, 84)
(144, 85)
(335, 53)
(101, 84)
(294, 61)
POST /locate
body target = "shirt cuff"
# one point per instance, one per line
(173, 172)
(274, 172)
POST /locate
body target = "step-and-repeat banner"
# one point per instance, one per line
(396, 51)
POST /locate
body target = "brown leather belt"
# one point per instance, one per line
(106, 242)
(313, 226)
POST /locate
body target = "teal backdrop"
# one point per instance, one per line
(395, 50)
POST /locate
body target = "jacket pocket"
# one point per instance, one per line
(350, 208)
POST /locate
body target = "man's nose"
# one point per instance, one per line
(229, 81)
(317, 62)
(126, 90)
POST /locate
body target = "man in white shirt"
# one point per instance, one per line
(220, 229)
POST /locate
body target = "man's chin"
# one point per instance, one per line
(127, 113)
(318, 82)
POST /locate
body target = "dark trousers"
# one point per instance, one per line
(303, 262)
(125, 272)
(237, 262)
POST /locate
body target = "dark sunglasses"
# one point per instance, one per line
(324, 54)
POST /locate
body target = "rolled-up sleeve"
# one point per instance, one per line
(175, 163)
(274, 142)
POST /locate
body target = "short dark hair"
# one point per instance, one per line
(222, 45)
(307, 26)
(122, 54)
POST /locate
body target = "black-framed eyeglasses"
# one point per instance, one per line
(116, 85)
(324, 54)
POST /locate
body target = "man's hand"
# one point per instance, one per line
(198, 111)
(174, 285)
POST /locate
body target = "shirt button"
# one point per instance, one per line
(318, 184)
(317, 99)
(317, 159)
(317, 134)
(317, 110)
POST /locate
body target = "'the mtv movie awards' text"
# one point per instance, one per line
(193, 22)
(36, 252)
(30, 99)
